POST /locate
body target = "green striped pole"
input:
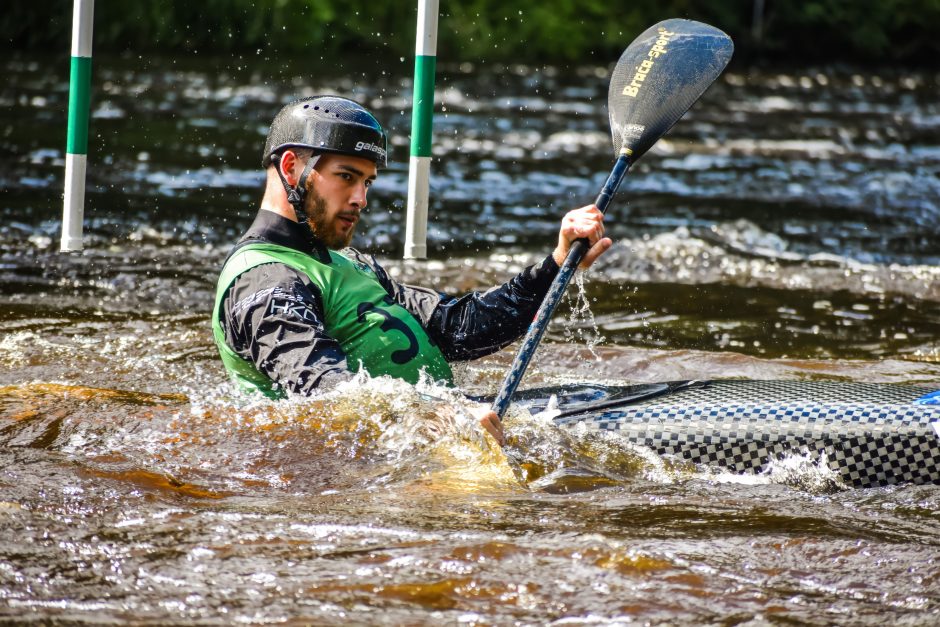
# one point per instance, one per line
(76, 149)
(422, 113)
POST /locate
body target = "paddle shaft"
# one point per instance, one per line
(553, 297)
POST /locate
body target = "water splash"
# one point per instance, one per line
(581, 326)
(385, 431)
(805, 471)
(578, 459)
(800, 470)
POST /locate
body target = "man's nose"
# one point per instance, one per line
(358, 197)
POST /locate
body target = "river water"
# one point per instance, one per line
(785, 229)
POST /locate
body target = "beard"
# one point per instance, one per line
(324, 229)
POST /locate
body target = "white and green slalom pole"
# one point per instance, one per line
(76, 150)
(422, 114)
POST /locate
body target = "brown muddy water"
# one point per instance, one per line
(785, 229)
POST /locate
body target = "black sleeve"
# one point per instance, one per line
(479, 323)
(273, 317)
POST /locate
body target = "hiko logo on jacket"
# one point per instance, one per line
(290, 307)
(282, 304)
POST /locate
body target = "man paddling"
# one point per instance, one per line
(296, 310)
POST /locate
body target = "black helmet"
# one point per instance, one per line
(327, 124)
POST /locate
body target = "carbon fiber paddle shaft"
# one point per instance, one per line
(555, 292)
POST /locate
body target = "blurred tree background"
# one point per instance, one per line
(531, 31)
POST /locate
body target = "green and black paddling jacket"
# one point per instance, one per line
(293, 316)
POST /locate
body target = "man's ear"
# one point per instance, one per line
(287, 163)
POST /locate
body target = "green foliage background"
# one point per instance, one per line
(865, 31)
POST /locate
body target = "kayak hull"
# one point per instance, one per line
(870, 434)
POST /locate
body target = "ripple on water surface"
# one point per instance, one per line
(371, 505)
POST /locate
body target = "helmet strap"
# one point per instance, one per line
(297, 194)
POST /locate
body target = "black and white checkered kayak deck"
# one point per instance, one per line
(871, 434)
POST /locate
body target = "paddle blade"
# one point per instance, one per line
(658, 77)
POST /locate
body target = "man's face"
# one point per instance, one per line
(336, 194)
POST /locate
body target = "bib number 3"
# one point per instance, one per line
(391, 323)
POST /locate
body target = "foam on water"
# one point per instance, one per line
(741, 253)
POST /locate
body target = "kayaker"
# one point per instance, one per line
(296, 310)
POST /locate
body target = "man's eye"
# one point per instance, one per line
(368, 183)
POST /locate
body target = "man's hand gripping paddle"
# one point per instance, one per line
(658, 77)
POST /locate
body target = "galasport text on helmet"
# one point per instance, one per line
(327, 124)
